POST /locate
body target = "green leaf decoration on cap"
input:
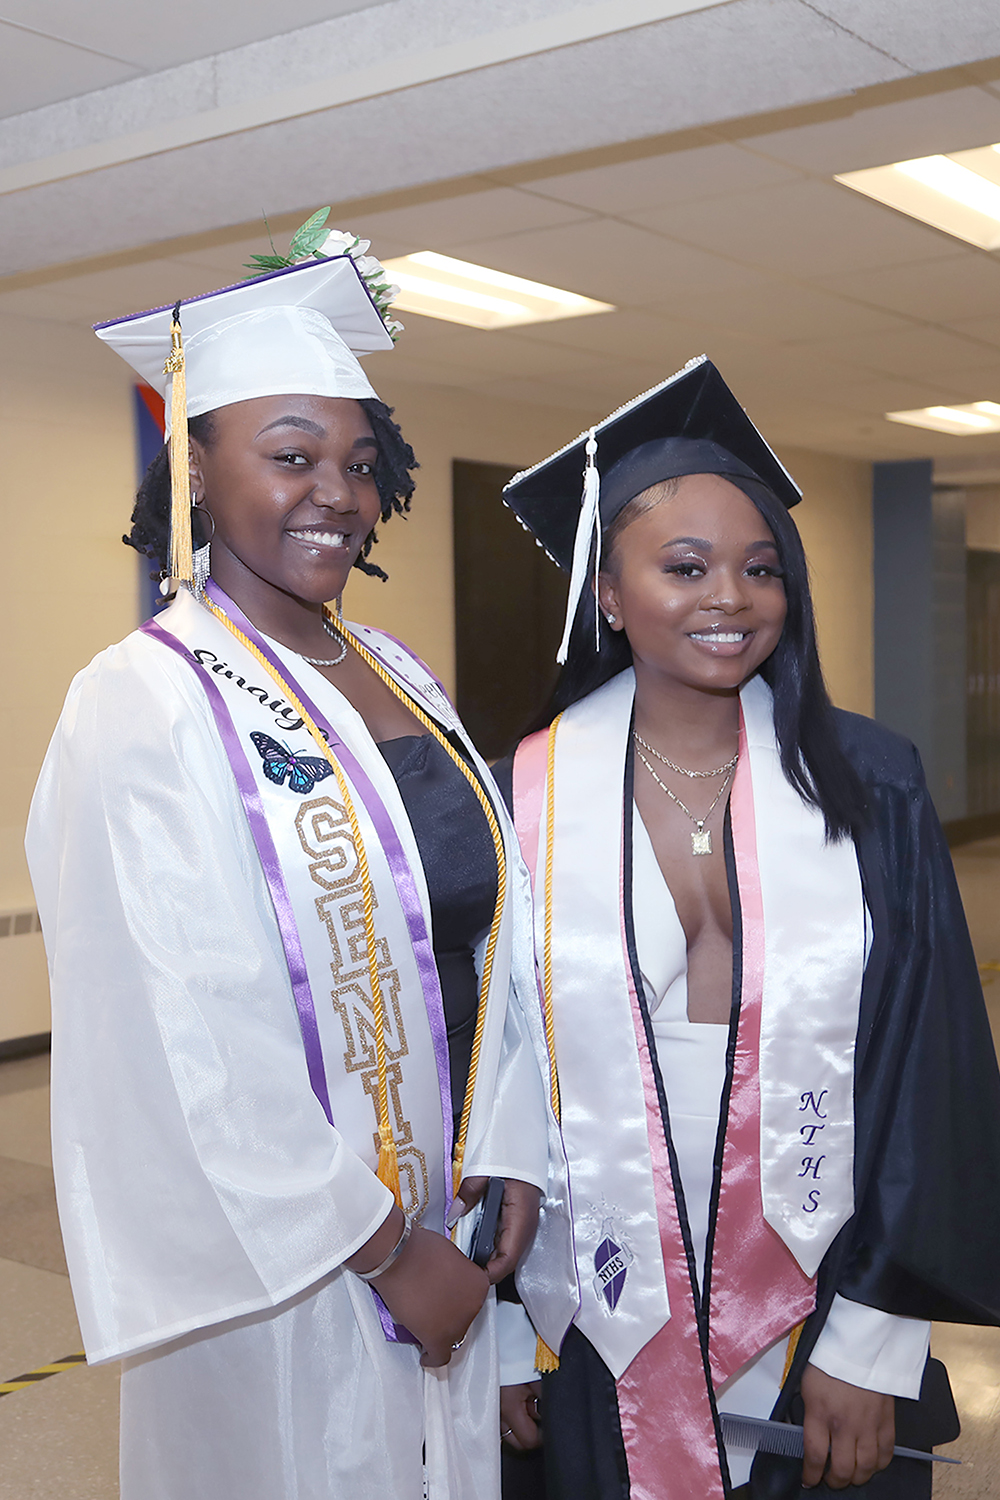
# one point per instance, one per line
(313, 240)
(307, 240)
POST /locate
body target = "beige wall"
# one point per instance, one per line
(835, 523)
(982, 517)
(67, 474)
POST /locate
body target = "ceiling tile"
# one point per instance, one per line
(784, 311)
(939, 291)
(986, 329)
(871, 135)
(161, 36)
(658, 181)
(449, 223)
(980, 384)
(481, 351)
(101, 295)
(926, 353)
(38, 70)
(923, 34)
(604, 258)
(806, 229)
(627, 334)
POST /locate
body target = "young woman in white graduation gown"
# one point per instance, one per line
(294, 1017)
(778, 1092)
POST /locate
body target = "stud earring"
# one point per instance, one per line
(612, 619)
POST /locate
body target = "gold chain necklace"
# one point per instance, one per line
(701, 837)
(681, 770)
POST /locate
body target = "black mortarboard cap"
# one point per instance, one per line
(631, 455)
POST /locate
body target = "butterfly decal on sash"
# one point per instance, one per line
(303, 771)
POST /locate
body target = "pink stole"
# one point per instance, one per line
(758, 1290)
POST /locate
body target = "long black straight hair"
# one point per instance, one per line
(805, 728)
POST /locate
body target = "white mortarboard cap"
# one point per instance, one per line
(296, 331)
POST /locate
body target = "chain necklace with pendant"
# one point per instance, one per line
(701, 837)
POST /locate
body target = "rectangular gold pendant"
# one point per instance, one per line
(701, 841)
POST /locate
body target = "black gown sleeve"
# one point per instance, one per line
(925, 1240)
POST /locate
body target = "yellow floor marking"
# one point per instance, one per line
(42, 1373)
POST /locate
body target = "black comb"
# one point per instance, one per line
(760, 1435)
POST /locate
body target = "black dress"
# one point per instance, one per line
(459, 864)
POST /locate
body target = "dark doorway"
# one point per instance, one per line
(983, 668)
(509, 606)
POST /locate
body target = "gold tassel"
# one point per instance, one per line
(793, 1344)
(181, 557)
(388, 1165)
(545, 1360)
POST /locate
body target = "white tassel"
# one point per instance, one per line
(587, 526)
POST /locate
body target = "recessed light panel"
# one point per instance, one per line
(958, 192)
(974, 420)
(459, 292)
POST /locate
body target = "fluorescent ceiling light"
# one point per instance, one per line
(974, 419)
(958, 192)
(459, 292)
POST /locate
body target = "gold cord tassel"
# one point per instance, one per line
(545, 1360)
(181, 559)
(388, 1164)
(793, 1344)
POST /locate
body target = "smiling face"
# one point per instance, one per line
(695, 583)
(290, 483)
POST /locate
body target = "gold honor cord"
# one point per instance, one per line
(181, 555)
(491, 943)
(545, 1358)
(793, 1344)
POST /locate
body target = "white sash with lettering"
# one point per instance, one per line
(814, 960)
(314, 844)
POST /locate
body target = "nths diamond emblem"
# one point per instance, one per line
(611, 1262)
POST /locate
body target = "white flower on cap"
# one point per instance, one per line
(342, 242)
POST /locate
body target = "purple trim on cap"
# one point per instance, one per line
(399, 868)
(261, 834)
(249, 281)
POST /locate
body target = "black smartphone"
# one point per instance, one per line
(485, 1233)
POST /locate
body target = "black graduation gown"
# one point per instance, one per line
(924, 1241)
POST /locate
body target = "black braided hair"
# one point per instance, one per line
(150, 533)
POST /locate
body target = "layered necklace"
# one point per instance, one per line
(701, 837)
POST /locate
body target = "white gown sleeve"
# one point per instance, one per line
(198, 1177)
(877, 1351)
(512, 1138)
(517, 1342)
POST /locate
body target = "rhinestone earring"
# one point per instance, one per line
(202, 558)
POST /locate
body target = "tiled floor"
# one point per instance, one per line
(58, 1439)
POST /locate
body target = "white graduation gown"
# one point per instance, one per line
(207, 1203)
